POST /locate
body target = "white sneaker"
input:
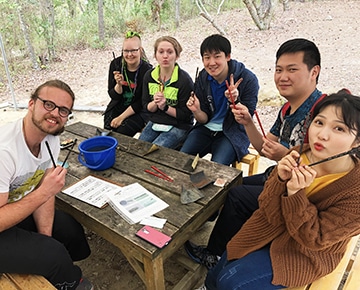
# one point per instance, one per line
(202, 287)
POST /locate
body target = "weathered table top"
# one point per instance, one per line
(182, 220)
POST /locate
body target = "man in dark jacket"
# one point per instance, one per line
(216, 130)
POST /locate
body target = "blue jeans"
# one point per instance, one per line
(252, 272)
(203, 141)
(171, 139)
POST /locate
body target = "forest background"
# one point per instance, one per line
(45, 38)
(78, 56)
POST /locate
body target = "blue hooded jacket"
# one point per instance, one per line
(248, 96)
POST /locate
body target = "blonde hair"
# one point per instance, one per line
(170, 39)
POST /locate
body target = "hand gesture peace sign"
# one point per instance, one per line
(232, 92)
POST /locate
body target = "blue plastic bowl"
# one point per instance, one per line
(98, 153)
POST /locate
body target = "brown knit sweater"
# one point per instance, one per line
(308, 236)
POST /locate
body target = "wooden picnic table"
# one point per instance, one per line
(182, 220)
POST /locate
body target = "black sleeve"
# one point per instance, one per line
(115, 65)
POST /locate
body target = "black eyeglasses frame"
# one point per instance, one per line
(63, 111)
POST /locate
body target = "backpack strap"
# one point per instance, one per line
(286, 107)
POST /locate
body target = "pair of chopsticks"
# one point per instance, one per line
(159, 174)
(67, 156)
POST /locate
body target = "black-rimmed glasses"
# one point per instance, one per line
(132, 51)
(51, 106)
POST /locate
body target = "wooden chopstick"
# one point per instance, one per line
(51, 156)
(155, 174)
(70, 149)
(352, 151)
(261, 127)
(162, 173)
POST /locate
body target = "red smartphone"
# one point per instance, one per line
(153, 236)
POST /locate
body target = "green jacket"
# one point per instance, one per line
(177, 93)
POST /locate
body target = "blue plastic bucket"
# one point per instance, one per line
(98, 153)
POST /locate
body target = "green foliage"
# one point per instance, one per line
(77, 22)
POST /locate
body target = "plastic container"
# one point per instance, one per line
(98, 153)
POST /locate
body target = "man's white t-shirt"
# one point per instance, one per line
(20, 170)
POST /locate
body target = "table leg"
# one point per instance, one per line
(154, 273)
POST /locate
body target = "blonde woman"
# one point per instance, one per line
(124, 113)
(166, 89)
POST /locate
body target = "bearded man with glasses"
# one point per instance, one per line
(34, 237)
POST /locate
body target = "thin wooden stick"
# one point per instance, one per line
(67, 156)
(261, 127)
(49, 150)
(352, 151)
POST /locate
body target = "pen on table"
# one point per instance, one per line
(230, 94)
(162, 173)
(49, 150)
(261, 127)
(67, 156)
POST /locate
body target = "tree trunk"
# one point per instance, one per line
(261, 15)
(80, 6)
(48, 17)
(177, 13)
(101, 21)
(286, 6)
(156, 6)
(25, 32)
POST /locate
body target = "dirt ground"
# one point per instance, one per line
(332, 25)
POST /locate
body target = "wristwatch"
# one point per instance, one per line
(165, 108)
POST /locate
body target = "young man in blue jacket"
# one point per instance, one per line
(216, 131)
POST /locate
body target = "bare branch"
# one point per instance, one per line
(207, 16)
(219, 8)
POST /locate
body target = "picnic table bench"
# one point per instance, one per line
(24, 282)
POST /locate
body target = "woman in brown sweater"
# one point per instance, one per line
(307, 214)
